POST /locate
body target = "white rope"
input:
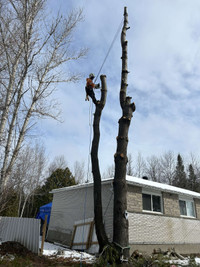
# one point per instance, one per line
(88, 171)
(113, 41)
(90, 133)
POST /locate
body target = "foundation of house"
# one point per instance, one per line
(183, 249)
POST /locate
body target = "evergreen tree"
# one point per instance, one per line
(192, 179)
(59, 178)
(9, 206)
(180, 179)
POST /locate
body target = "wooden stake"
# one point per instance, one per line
(90, 234)
(43, 233)
(73, 235)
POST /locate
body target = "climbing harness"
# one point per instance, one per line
(91, 103)
(90, 137)
(88, 171)
(91, 108)
(90, 134)
(107, 54)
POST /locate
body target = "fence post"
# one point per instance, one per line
(43, 233)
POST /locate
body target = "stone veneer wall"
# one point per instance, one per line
(171, 204)
(148, 231)
(170, 201)
(134, 199)
(197, 207)
(158, 230)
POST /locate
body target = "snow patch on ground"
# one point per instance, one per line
(59, 251)
(185, 262)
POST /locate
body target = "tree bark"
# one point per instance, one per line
(30, 65)
(98, 216)
(120, 221)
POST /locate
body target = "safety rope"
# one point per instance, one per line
(113, 41)
(90, 134)
(88, 171)
(90, 139)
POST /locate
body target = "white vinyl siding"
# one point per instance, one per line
(74, 205)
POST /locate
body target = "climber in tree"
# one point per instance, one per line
(90, 86)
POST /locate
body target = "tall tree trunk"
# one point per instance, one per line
(9, 94)
(5, 175)
(98, 217)
(30, 61)
(24, 204)
(120, 221)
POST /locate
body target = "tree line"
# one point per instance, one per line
(167, 168)
(32, 179)
(36, 48)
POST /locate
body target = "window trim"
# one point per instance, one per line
(153, 193)
(182, 198)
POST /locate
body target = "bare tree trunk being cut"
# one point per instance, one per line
(120, 221)
(98, 216)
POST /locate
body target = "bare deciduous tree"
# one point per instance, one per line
(139, 166)
(59, 162)
(194, 160)
(27, 174)
(79, 172)
(109, 172)
(153, 169)
(33, 49)
(168, 165)
(130, 166)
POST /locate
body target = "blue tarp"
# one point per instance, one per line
(44, 210)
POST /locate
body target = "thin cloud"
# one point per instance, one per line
(163, 59)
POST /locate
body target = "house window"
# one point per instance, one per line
(151, 202)
(187, 208)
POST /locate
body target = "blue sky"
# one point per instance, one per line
(164, 79)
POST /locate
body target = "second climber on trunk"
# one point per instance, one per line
(89, 88)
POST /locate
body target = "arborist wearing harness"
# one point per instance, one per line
(89, 88)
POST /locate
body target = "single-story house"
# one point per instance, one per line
(159, 215)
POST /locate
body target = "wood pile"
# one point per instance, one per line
(170, 253)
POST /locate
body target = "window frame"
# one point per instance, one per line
(187, 200)
(153, 193)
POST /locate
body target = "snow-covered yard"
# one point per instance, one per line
(54, 251)
(59, 251)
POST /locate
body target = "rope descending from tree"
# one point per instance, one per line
(91, 107)
(113, 41)
(90, 125)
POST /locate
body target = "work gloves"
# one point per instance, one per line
(97, 86)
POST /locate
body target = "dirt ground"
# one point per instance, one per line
(14, 254)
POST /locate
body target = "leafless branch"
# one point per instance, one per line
(32, 48)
